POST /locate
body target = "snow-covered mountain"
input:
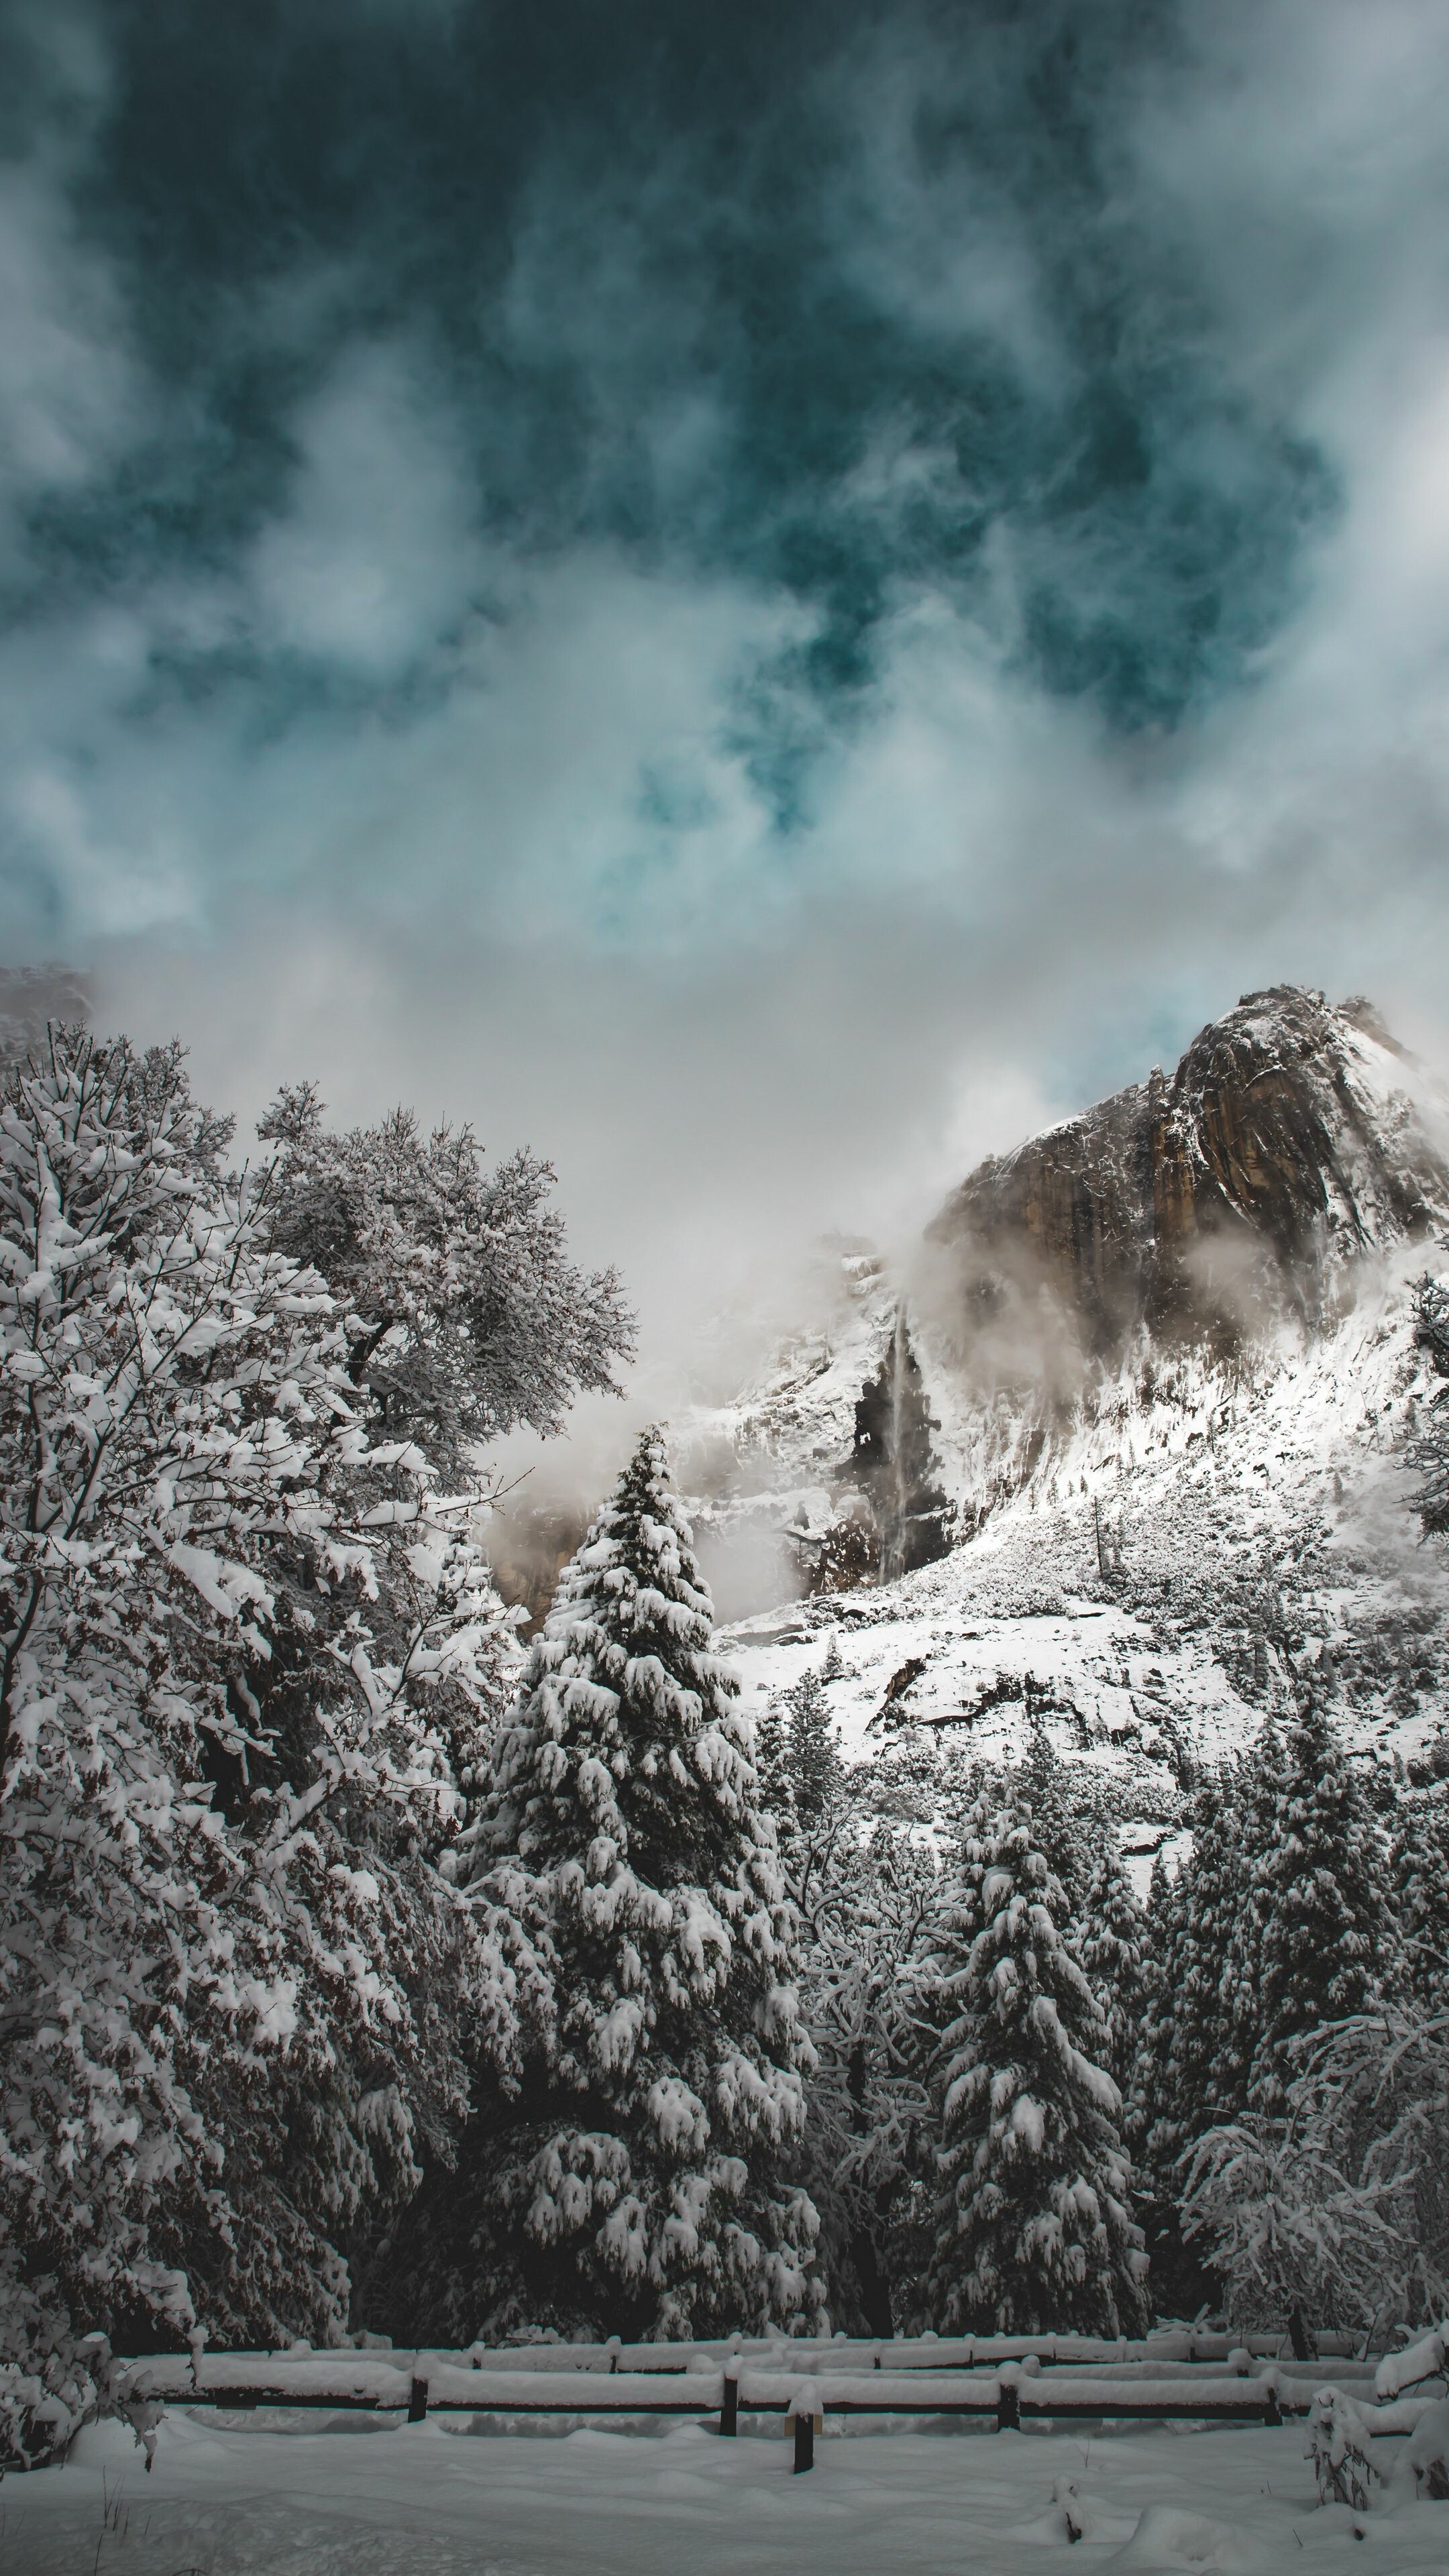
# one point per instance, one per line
(1125, 1448)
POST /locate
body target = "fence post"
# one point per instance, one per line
(807, 2413)
(729, 2407)
(417, 2401)
(1272, 2411)
(1008, 2402)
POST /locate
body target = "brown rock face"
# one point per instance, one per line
(1291, 1136)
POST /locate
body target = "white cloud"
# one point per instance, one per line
(375, 556)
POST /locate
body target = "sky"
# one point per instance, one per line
(761, 597)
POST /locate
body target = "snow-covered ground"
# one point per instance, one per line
(427, 2500)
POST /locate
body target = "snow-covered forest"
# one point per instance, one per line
(366, 1973)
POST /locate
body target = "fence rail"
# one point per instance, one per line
(1014, 2393)
(1176, 2375)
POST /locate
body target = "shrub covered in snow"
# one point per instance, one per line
(1338, 2446)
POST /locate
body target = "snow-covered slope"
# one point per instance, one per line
(1167, 1572)
(1163, 1462)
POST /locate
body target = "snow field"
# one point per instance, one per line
(362, 2496)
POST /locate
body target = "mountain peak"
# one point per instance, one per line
(1291, 1135)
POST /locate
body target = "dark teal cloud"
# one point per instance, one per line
(842, 301)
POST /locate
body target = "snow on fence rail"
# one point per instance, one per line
(916, 2352)
(800, 2357)
(1177, 2374)
(240, 2383)
(1039, 2384)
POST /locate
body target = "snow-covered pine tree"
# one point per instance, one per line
(1111, 1936)
(1322, 1931)
(867, 1971)
(1419, 1889)
(1153, 2128)
(1212, 2032)
(1033, 2232)
(1148, 2125)
(812, 1757)
(1149, 2131)
(802, 1785)
(1066, 1834)
(772, 1773)
(638, 2183)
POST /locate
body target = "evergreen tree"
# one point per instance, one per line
(1111, 1935)
(1239, 1854)
(1156, 2134)
(1033, 2230)
(867, 1987)
(865, 1895)
(1210, 2047)
(772, 1769)
(812, 1759)
(1066, 1832)
(800, 1773)
(1148, 2125)
(636, 2181)
(1318, 1910)
(1419, 1885)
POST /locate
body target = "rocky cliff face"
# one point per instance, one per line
(1127, 1456)
(1188, 1224)
(1291, 1138)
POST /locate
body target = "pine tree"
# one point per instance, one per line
(1033, 2228)
(799, 1769)
(1211, 2046)
(636, 2184)
(1419, 1885)
(772, 1768)
(1155, 2132)
(1241, 1845)
(1318, 1910)
(1111, 1934)
(1148, 2125)
(812, 1758)
(867, 1998)
(1067, 1836)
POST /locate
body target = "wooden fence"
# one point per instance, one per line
(1011, 2381)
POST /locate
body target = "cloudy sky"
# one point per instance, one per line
(760, 596)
